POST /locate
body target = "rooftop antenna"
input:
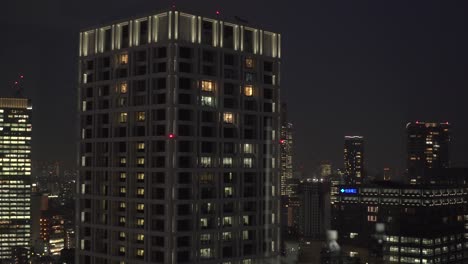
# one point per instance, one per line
(17, 85)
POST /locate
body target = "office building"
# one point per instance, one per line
(286, 141)
(315, 209)
(354, 159)
(428, 148)
(15, 177)
(397, 223)
(179, 151)
(325, 170)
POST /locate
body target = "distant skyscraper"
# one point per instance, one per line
(354, 159)
(427, 147)
(286, 141)
(179, 151)
(325, 169)
(387, 174)
(15, 177)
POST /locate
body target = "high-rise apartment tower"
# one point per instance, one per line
(179, 150)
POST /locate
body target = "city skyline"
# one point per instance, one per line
(389, 68)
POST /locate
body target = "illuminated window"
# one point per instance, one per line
(140, 252)
(123, 58)
(205, 253)
(123, 175)
(140, 146)
(122, 250)
(228, 118)
(123, 190)
(140, 222)
(227, 235)
(227, 162)
(140, 161)
(372, 218)
(207, 101)
(203, 222)
(249, 63)
(122, 205)
(141, 116)
(248, 90)
(245, 220)
(123, 117)
(122, 220)
(122, 235)
(140, 237)
(140, 191)
(207, 86)
(372, 209)
(248, 148)
(123, 161)
(205, 238)
(123, 87)
(228, 192)
(141, 176)
(140, 207)
(206, 178)
(227, 221)
(248, 162)
(245, 235)
(353, 235)
(205, 162)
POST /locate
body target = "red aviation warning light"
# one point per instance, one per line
(171, 136)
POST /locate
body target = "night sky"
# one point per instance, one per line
(348, 67)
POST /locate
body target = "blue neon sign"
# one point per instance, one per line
(349, 190)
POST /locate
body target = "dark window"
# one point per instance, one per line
(141, 55)
(268, 93)
(125, 36)
(107, 40)
(228, 148)
(185, 178)
(229, 89)
(229, 132)
(267, 79)
(185, 162)
(185, 83)
(143, 32)
(160, 130)
(248, 41)
(160, 52)
(228, 35)
(184, 193)
(229, 103)
(229, 59)
(207, 147)
(185, 52)
(268, 66)
(185, 99)
(185, 67)
(207, 131)
(250, 105)
(185, 130)
(207, 33)
(185, 115)
(208, 56)
(185, 146)
(207, 116)
(160, 115)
